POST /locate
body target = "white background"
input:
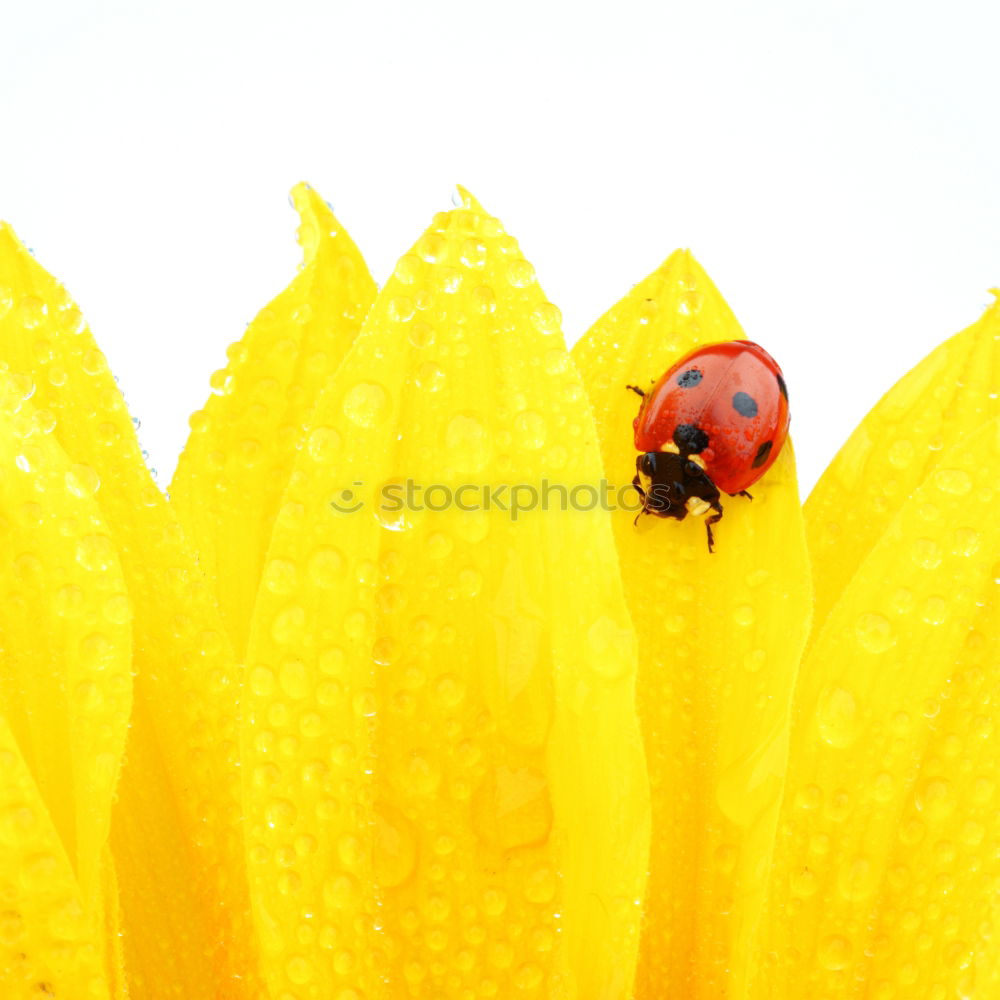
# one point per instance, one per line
(833, 165)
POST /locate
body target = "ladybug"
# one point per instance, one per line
(714, 421)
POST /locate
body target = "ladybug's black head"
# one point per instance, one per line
(672, 485)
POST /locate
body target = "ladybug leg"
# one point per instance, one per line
(743, 493)
(709, 521)
(636, 389)
(645, 500)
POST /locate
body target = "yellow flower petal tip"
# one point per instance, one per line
(238, 458)
(482, 719)
(915, 426)
(717, 665)
(467, 200)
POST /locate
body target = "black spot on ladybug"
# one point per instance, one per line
(690, 439)
(689, 379)
(782, 386)
(762, 452)
(744, 405)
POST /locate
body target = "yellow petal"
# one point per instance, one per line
(65, 682)
(912, 428)
(720, 638)
(186, 681)
(457, 683)
(886, 868)
(50, 944)
(238, 458)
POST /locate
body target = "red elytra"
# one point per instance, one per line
(715, 421)
(735, 393)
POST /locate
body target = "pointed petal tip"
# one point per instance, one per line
(463, 198)
(314, 214)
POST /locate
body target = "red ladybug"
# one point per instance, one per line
(715, 421)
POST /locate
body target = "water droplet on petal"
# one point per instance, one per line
(835, 953)
(467, 442)
(365, 404)
(874, 633)
(954, 481)
(837, 717)
(82, 481)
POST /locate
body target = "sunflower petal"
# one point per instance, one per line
(886, 866)
(457, 683)
(65, 683)
(51, 944)
(186, 680)
(920, 419)
(238, 458)
(720, 638)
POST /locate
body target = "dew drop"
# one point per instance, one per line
(935, 799)
(965, 541)
(299, 971)
(429, 377)
(395, 846)
(520, 273)
(261, 681)
(935, 610)
(288, 624)
(32, 311)
(439, 545)
(546, 318)
(530, 429)
(364, 703)
(325, 566)
(421, 334)
(409, 269)
(82, 481)
(540, 885)
(484, 299)
(365, 404)
(957, 482)
(280, 576)
(117, 609)
(528, 976)
(857, 880)
(874, 633)
(45, 421)
(391, 510)
(473, 253)
(323, 444)
(302, 313)
(467, 442)
(837, 717)
(926, 553)
(96, 552)
(401, 309)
